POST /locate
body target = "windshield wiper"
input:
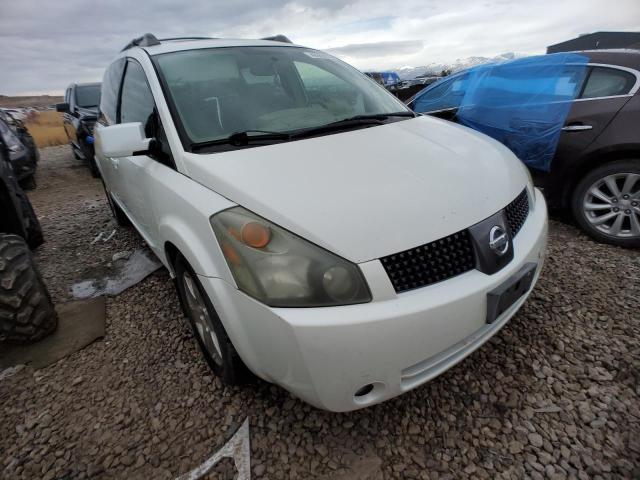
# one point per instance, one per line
(239, 139)
(356, 121)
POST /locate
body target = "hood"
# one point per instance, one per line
(368, 193)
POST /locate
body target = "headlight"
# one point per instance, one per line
(530, 187)
(281, 269)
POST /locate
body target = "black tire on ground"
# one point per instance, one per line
(29, 183)
(232, 369)
(26, 311)
(32, 226)
(87, 152)
(578, 213)
(93, 168)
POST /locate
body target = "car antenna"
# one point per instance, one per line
(278, 38)
(146, 40)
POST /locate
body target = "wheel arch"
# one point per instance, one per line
(205, 258)
(594, 160)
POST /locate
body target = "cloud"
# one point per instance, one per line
(377, 49)
(44, 46)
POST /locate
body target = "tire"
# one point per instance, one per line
(227, 365)
(87, 152)
(26, 311)
(622, 206)
(116, 211)
(29, 183)
(93, 168)
(32, 228)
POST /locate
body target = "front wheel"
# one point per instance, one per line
(606, 203)
(212, 338)
(26, 311)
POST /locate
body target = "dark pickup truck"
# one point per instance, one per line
(80, 110)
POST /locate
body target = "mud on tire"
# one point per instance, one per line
(26, 311)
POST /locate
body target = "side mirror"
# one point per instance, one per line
(123, 140)
(62, 107)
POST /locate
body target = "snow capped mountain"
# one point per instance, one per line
(408, 72)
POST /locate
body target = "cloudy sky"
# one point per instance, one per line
(45, 44)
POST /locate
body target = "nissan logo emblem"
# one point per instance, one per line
(498, 240)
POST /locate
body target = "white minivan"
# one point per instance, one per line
(322, 236)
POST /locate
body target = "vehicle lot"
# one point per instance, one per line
(555, 394)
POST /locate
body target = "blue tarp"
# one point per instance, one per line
(522, 103)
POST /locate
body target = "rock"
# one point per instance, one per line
(515, 447)
(322, 450)
(120, 256)
(535, 440)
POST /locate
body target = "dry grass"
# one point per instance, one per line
(46, 129)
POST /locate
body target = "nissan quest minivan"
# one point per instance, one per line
(322, 236)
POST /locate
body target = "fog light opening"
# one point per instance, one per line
(366, 390)
(369, 393)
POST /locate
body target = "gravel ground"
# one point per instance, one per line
(554, 395)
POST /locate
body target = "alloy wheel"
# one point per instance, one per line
(612, 205)
(201, 319)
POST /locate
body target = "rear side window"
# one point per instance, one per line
(110, 91)
(607, 82)
(137, 103)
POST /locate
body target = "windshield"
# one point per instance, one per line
(221, 91)
(88, 96)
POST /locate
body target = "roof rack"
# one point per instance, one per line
(146, 40)
(184, 38)
(278, 38)
(149, 40)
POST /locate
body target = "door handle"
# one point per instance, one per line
(114, 162)
(576, 128)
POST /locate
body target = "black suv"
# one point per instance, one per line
(595, 173)
(80, 108)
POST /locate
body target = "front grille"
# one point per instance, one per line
(430, 263)
(447, 257)
(517, 212)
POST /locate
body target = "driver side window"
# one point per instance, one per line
(136, 104)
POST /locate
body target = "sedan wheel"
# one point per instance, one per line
(612, 205)
(201, 318)
(606, 203)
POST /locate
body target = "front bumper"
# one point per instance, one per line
(395, 343)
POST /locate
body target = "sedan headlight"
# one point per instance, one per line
(281, 269)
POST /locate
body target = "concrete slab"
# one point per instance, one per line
(79, 324)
